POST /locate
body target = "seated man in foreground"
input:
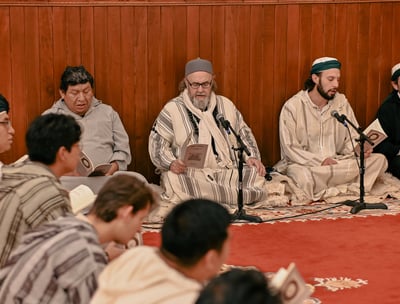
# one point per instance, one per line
(194, 117)
(195, 240)
(30, 192)
(317, 151)
(59, 262)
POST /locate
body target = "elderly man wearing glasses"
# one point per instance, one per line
(200, 116)
(6, 130)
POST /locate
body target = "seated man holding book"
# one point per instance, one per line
(389, 118)
(104, 138)
(199, 116)
(317, 150)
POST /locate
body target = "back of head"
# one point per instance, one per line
(193, 228)
(121, 190)
(48, 133)
(74, 75)
(4, 105)
(238, 286)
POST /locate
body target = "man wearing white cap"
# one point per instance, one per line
(389, 118)
(316, 150)
(195, 117)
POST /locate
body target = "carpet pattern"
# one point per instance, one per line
(351, 260)
(343, 257)
(281, 205)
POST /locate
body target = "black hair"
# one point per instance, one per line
(238, 286)
(193, 228)
(74, 75)
(48, 133)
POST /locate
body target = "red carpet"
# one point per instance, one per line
(358, 256)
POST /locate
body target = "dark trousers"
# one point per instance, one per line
(394, 166)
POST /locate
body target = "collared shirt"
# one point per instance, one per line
(58, 262)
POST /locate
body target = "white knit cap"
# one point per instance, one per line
(324, 63)
(395, 72)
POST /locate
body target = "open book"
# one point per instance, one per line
(290, 285)
(85, 167)
(82, 198)
(375, 133)
(195, 155)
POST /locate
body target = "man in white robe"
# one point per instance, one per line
(317, 151)
(195, 242)
(195, 117)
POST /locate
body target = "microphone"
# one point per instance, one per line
(224, 123)
(341, 118)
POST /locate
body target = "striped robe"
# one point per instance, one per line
(30, 195)
(58, 262)
(176, 127)
(309, 135)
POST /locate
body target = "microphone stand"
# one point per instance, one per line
(358, 206)
(240, 213)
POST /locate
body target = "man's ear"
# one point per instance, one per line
(62, 93)
(211, 259)
(125, 211)
(61, 154)
(315, 78)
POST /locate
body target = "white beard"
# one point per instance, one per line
(201, 104)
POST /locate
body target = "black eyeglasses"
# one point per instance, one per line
(196, 85)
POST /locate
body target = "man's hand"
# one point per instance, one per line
(251, 161)
(177, 166)
(113, 169)
(329, 161)
(368, 152)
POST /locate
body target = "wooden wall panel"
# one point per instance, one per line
(136, 50)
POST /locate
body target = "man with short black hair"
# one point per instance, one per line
(104, 138)
(30, 192)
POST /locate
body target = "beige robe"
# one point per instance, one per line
(141, 276)
(309, 135)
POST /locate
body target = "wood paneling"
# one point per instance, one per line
(137, 50)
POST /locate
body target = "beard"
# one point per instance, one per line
(323, 93)
(200, 103)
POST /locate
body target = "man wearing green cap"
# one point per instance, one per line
(196, 116)
(389, 118)
(316, 149)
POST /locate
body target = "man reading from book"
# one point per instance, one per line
(389, 118)
(104, 139)
(189, 122)
(317, 151)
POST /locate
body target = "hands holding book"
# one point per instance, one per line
(177, 166)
